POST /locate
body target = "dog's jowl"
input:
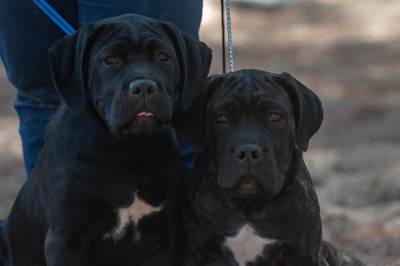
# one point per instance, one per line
(103, 190)
(250, 200)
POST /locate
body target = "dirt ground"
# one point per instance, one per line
(349, 53)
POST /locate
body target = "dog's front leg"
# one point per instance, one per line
(61, 251)
(71, 214)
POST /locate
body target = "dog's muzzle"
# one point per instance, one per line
(141, 111)
(243, 182)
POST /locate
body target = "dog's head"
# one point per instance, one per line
(253, 123)
(131, 70)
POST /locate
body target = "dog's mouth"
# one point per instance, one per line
(247, 186)
(143, 122)
(145, 114)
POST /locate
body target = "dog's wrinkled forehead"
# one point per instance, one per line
(250, 87)
(138, 32)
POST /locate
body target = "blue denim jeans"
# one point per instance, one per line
(26, 34)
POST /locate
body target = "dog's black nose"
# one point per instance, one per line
(142, 86)
(248, 154)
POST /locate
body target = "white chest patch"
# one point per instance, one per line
(246, 245)
(131, 214)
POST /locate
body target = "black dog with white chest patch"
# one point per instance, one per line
(103, 190)
(251, 201)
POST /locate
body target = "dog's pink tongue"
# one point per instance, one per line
(144, 113)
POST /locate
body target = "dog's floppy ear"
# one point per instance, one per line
(307, 108)
(213, 83)
(194, 60)
(190, 125)
(68, 62)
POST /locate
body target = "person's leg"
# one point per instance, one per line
(185, 14)
(33, 121)
(25, 36)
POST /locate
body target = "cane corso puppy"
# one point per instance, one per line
(250, 200)
(103, 190)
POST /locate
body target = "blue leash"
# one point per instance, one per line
(54, 16)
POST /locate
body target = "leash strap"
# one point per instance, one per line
(226, 10)
(54, 16)
(223, 36)
(229, 29)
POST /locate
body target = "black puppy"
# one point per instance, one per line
(102, 192)
(251, 200)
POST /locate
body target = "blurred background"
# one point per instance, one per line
(348, 52)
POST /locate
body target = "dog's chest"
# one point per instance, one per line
(131, 215)
(246, 245)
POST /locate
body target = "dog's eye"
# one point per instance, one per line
(163, 56)
(221, 119)
(112, 60)
(275, 117)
